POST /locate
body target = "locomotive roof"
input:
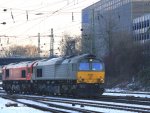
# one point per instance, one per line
(50, 61)
(18, 65)
(75, 59)
(61, 60)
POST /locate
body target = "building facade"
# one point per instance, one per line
(141, 28)
(103, 19)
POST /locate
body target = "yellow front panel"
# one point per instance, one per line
(90, 77)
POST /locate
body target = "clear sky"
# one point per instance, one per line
(26, 18)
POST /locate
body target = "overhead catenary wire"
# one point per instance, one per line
(46, 16)
(37, 18)
(34, 10)
(37, 9)
(16, 25)
(56, 11)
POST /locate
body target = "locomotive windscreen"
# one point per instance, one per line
(84, 66)
(87, 65)
(97, 66)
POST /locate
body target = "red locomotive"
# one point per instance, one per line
(17, 76)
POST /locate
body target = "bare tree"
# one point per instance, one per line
(108, 27)
(31, 51)
(70, 45)
(22, 51)
(17, 51)
(126, 59)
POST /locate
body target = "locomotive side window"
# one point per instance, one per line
(23, 73)
(97, 66)
(39, 72)
(7, 72)
(84, 66)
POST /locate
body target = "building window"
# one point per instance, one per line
(134, 26)
(147, 23)
(137, 25)
(39, 72)
(23, 73)
(7, 72)
(140, 26)
(148, 36)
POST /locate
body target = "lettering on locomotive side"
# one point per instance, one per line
(90, 74)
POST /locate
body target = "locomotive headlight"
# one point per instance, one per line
(100, 80)
(91, 60)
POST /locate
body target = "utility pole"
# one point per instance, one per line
(51, 43)
(93, 33)
(39, 44)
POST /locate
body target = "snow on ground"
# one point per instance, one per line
(101, 102)
(40, 104)
(24, 109)
(113, 92)
(126, 94)
(117, 90)
(94, 109)
(20, 109)
(120, 92)
(86, 107)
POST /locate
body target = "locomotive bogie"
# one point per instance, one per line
(53, 87)
(88, 90)
(17, 86)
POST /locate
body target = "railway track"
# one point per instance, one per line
(84, 104)
(2, 91)
(47, 106)
(101, 105)
(126, 99)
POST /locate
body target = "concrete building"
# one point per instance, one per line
(102, 19)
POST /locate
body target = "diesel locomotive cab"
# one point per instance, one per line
(90, 71)
(90, 76)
